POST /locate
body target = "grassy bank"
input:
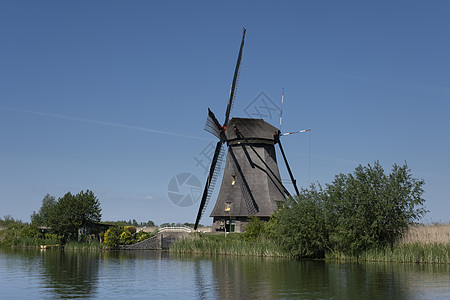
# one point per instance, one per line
(405, 253)
(27, 242)
(233, 244)
(421, 244)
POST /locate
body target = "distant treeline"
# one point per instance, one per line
(130, 222)
(149, 224)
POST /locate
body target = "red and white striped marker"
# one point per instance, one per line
(301, 131)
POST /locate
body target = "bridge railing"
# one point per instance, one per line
(175, 229)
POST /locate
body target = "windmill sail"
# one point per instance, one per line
(212, 125)
(235, 80)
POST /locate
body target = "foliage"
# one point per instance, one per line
(42, 217)
(187, 224)
(19, 234)
(142, 235)
(302, 228)
(7, 220)
(370, 209)
(271, 227)
(130, 229)
(130, 222)
(73, 212)
(364, 210)
(125, 238)
(408, 253)
(112, 236)
(127, 235)
(232, 244)
(254, 228)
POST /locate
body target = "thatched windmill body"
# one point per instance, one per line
(251, 184)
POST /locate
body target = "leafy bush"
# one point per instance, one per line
(302, 225)
(141, 235)
(125, 238)
(112, 236)
(130, 229)
(356, 212)
(254, 228)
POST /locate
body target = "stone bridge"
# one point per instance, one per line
(163, 240)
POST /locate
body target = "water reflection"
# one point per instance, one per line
(71, 274)
(154, 274)
(248, 277)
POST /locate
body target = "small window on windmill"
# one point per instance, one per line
(228, 206)
(233, 179)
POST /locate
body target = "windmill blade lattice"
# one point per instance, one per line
(214, 178)
(210, 181)
(235, 80)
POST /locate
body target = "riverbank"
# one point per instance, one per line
(421, 244)
(232, 244)
(37, 243)
(436, 253)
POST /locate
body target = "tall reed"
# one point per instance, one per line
(420, 244)
(427, 234)
(406, 253)
(230, 245)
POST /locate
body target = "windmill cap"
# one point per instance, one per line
(251, 129)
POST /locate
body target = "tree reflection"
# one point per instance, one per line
(71, 274)
(247, 277)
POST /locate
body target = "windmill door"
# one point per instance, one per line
(230, 225)
(233, 225)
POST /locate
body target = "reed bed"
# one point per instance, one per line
(427, 234)
(420, 244)
(27, 242)
(230, 245)
(406, 253)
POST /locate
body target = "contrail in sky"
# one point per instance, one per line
(64, 117)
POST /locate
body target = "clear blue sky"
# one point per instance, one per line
(112, 96)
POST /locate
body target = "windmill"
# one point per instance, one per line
(251, 184)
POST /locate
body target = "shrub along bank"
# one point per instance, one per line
(118, 235)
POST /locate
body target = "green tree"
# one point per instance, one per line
(254, 228)
(42, 217)
(359, 211)
(372, 209)
(150, 223)
(301, 225)
(73, 212)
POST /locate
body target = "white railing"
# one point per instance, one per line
(175, 229)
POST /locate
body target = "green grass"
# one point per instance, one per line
(408, 253)
(233, 244)
(27, 242)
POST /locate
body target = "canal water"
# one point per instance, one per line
(56, 274)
